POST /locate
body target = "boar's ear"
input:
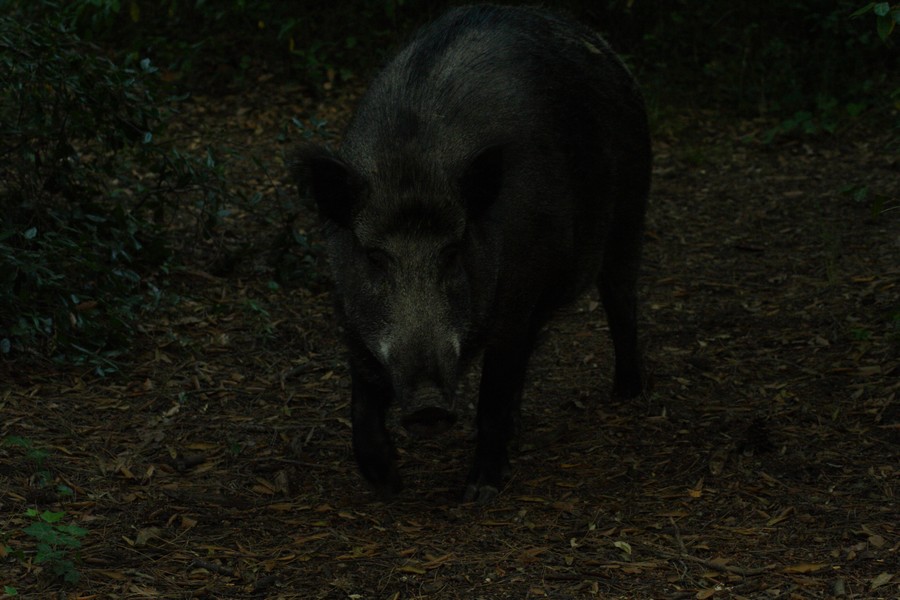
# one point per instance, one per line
(482, 180)
(332, 183)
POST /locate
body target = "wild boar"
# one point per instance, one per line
(496, 168)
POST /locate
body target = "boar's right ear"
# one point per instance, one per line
(482, 180)
(332, 183)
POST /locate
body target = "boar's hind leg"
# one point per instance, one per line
(375, 454)
(499, 397)
(618, 290)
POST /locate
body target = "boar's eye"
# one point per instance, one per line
(451, 259)
(379, 259)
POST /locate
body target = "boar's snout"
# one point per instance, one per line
(424, 374)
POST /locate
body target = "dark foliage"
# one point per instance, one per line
(84, 188)
(807, 60)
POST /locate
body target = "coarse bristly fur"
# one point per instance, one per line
(497, 167)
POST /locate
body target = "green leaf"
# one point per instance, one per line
(15, 440)
(73, 530)
(860, 194)
(863, 10)
(885, 26)
(46, 553)
(30, 233)
(10, 590)
(52, 517)
(71, 573)
(882, 9)
(40, 531)
(854, 109)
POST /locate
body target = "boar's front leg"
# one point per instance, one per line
(499, 398)
(372, 446)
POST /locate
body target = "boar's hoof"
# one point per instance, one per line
(387, 491)
(480, 493)
(485, 480)
(428, 422)
(381, 472)
(627, 387)
(388, 487)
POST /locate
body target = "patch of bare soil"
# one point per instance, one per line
(763, 463)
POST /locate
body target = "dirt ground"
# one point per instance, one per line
(764, 461)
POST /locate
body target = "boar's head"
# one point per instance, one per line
(414, 254)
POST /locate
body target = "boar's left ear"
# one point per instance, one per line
(482, 180)
(332, 183)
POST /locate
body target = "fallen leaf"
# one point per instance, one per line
(286, 507)
(804, 568)
(117, 575)
(880, 580)
(718, 459)
(697, 490)
(145, 535)
(412, 569)
(361, 552)
(202, 446)
(530, 555)
(532, 499)
(311, 538)
(673, 513)
(780, 517)
(435, 561)
(623, 546)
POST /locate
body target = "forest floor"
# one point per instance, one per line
(764, 461)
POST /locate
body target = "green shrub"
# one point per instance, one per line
(56, 544)
(886, 17)
(767, 56)
(85, 189)
(229, 41)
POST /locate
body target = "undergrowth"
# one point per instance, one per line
(88, 186)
